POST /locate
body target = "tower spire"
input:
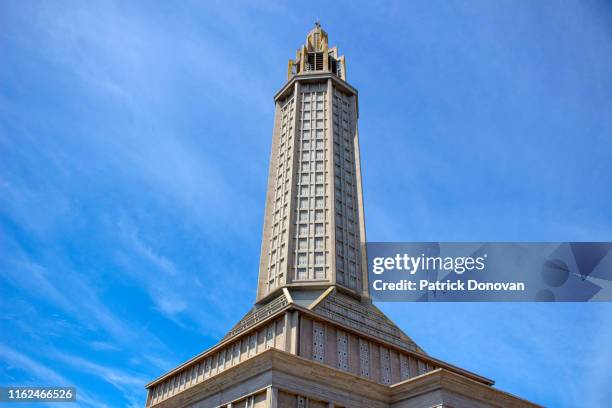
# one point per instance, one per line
(316, 56)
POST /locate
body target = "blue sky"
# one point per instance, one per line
(134, 145)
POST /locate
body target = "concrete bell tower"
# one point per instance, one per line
(314, 220)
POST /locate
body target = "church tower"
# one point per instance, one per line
(313, 338)
(314, 222)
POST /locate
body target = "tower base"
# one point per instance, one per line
(307, 349)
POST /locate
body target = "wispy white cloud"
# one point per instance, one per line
(75, 297)
(175, 293)
(129, 383)
(119, 378)
(103, 346)
(64, 289)
(23, 362)
(159, 261)
(43, 375)
(160, 362)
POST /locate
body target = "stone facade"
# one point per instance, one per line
(313, 337)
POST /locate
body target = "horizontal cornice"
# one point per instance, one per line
(314, 315)
(314, 375)
(318, 77)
